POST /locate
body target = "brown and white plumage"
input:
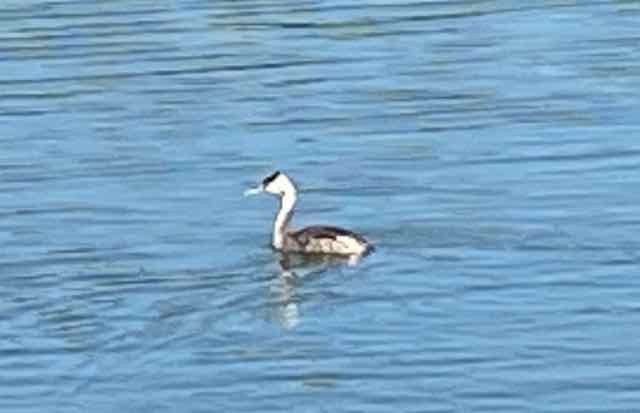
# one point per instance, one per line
(313, 239)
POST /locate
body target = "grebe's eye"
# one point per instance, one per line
(282, 193)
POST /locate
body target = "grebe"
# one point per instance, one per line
(314, 239)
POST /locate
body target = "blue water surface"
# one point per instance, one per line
(490, 150)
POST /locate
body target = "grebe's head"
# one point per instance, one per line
(277, 184)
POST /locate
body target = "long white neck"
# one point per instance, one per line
(287, 202)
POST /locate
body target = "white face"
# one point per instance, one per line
(278, 184)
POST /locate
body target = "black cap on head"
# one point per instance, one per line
(266, 181)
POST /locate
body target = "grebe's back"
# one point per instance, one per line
(327, 240)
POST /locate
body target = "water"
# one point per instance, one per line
(489, 149)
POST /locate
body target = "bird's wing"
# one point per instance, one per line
(323, 231)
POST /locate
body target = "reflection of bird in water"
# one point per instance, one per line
(295, 262)
(294, 269)
(313, 239)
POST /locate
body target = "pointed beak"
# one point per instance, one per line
(253, 191)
